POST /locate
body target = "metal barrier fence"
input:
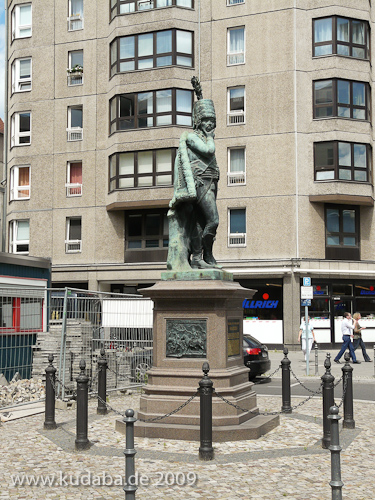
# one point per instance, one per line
(75, 324)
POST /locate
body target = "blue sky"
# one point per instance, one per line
(2, 59)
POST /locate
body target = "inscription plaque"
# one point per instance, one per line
(186, 338)
(233, 336)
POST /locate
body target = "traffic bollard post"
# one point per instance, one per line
(82, 442)
(347, 387)
(335, 449)
(102, 384)
(206, 451)
(285, 383)
(130, 480)
(49, 415)
(328, 401)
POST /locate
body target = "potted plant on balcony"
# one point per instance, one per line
(77, 70)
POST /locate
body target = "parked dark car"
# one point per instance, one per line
(255, 356)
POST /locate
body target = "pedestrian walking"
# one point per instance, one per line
(357, 336)
(347, 329)
(310, 335)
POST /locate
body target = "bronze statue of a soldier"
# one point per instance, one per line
(193, 215)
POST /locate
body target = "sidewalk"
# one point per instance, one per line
(363, 371)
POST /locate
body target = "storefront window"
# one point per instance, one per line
(341, 289)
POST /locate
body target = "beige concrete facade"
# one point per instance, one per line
(285, 206)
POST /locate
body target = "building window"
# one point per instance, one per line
(21, 129)
(152, 50)
(129, 6)
(74, 179)
(141, 169)
(234, 2)
(341, 36)
(236, 46)
(346, 161)
(236, 166)
(20, 183)
(73, 242)
(236, 105)
(147, 235)
(19, 236)
(21, 21)
(151, 109)
(237, 227)
(342, 98)
(75, 123)
(75, 69)
(21, 75)
(75, 15)
(342, 232)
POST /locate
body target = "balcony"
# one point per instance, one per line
(235, 178)
(236, 118)
(73, 246)
(73, 190)
(237, 240)
(75, 78)
(235, 58)
(74, 134)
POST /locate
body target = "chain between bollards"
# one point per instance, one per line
(130, 481)
(335, 449)
(102, 383)
(285, 383)
(49, 416)
(347, 384)
(82, 442)
(206, 451)
(328, 401)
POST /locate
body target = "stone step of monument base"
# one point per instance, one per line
(251, 429)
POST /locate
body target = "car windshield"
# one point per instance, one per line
(248, 340)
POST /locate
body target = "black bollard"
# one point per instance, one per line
(82, 443)
(206, 451)
(335, 449)
(328, 401)
(130, 479)
(285, 382)
(49, 415)
(102, 383)
(347, 386)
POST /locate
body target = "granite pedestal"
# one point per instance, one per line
(198, 320)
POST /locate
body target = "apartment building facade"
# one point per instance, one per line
(99, 94)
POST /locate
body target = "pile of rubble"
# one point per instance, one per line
(20, 390)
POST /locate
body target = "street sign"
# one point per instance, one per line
(307, 292)
(306, 302)
(306, 281)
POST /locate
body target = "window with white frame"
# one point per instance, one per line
(236, 46)
(21, 21)
(75, 128)
(73, 242)
(75, 69)
(75, 18)
(236, 105)
(237, 227)
(20, 183)
(21, 75)
(74, 179)
(19, 236)
(21, 129)
(236, 166)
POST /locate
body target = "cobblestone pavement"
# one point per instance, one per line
(288, 462)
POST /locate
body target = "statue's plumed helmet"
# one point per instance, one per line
(204, 108)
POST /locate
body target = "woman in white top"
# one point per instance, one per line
(310, 335)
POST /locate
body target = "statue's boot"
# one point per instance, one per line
(208, 241)
(196, 256)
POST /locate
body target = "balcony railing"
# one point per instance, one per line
(73, 246)
(75, 22)
(235, 58)
(75, 134)
(236, 178)
(145, 4)
(75, 79)
(236, 118)
(237, 240)
(73, 189)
